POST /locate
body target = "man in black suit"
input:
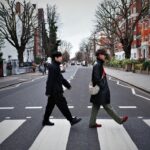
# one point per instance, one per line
(54, 91)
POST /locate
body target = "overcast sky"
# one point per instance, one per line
(77, 18)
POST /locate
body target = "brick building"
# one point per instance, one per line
(141, 38)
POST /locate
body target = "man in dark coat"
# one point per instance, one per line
(54, 91)
(103, 96)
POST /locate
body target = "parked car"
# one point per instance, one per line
(63, 68)
(84, 63)
(73, 63)
(78, 63)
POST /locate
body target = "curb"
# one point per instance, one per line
(17, 83)
(12, 84)
(140, 88)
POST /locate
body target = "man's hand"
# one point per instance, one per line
(70, 88)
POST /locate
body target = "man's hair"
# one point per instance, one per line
(100, 51)
(56, 54)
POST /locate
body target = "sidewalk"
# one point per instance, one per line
(16, 79)
(138, 80)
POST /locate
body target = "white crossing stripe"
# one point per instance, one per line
(53, 137)
(7, 127)
(34, 107)
(113, 136)
(7, 117)
(71, 107)
(147, 121)
(91, 107)
(128, 107)
(28, 117)
(140, 117)
(3, 108)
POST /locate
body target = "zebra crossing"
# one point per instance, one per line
(111, 136)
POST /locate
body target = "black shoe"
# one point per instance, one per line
(47, 123)
(75, 120)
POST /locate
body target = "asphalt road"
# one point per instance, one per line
(22, 108)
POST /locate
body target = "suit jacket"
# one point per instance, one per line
(55, 80)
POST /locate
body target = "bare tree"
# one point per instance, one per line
(17, 26)
(66, 56)
(65, 46)
(79, 56)
(114, 18)
(107, 38)
(86, 45)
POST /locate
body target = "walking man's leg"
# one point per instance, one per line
(109, 109)
(94, 112)
(48, 111)
(63, 107)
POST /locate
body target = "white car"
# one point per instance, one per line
(78, 63)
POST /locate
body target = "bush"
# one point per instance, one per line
(138, 66)
(146, 65)
(141, 60)
(126, 61)
(38, 60)
(114, 63)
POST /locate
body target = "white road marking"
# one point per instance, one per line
(34, 79)
(51, 117)
(8, 127)
(127, 107)
(118, 83)
(71, 107)
(134, 93)
(89, 107)
(147, 121)
(7, 117)
(132, 89)
(113, 136)
(53, 137)
(72, 77)
(33, 107)
(17, 85)
(139, 117)
(6, 108)
(28, 117)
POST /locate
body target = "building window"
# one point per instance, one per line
(134, 55)
(134, 10)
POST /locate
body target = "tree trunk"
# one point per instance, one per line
(127, 51)
(20, 55)
(112, 51)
